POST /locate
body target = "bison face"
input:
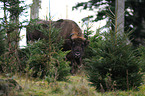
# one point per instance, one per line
(77, 47)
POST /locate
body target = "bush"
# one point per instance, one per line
(45, 58)
(141, 50)
(42, 58)
(114, 65)
(42, 63)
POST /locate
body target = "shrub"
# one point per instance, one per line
(141, 50)
(42, 64)
(45, 58)
(114, 65)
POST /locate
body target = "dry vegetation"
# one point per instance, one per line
(74, 86)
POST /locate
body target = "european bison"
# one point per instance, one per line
(74, 40)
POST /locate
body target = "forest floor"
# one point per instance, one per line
(75, 86)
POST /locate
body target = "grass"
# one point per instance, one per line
(74, 86)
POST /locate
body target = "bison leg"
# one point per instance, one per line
(72, 67)
(79, 64)
(75, 66)
(75, 63)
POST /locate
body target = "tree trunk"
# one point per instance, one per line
(14, 19)
(6, 23)
(35, 9)
(119, 13)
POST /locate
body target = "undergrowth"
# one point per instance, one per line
(75, 86)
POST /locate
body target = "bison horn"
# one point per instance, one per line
(71, 35)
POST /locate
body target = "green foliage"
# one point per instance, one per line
(95, 42)
(14, 7)
(45, 58)
(2, 46)
(9, 64)
(134, 16)
(142, 58)
(10, 28)
(114, 65)
(95, 4)
(42, 64)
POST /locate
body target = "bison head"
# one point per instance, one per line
(77, 44)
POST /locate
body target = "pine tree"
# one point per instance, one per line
(45, 58)
(11, 30)
(134, 16)
(115, 64)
